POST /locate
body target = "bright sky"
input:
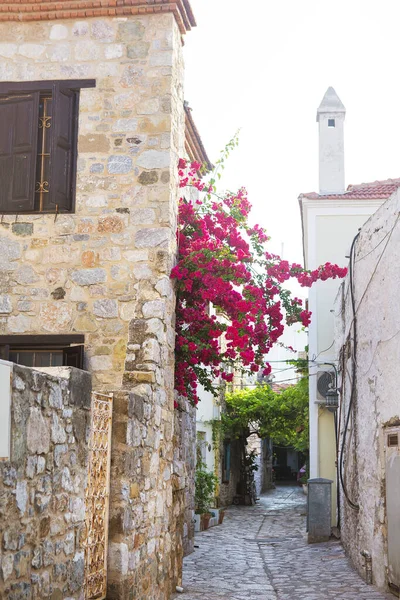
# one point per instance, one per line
(264, 66)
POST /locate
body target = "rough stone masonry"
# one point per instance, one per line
(42, 486)
(95, 271)
(104, 270)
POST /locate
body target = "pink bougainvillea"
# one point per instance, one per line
(223, 263)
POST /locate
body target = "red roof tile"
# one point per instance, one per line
(45, 10)
(379, 190)
(279, 387)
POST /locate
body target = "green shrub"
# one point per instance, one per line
(204, 489)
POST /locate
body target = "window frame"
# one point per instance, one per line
(72, 344)
(35, 352)
(9, 88)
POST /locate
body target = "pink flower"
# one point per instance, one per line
(222, 261)
(182, 163)
(227, 376)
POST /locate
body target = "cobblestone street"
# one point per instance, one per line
(260, 552)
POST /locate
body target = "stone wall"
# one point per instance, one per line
(184, 468)
(147, 495)
(42, 486)
(375, 398)
(92, 272)
(151, 497)
(263, 450)
(228, 489)
(104, 271)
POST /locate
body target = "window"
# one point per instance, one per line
(36, 357)
(43, 350)
(38, 145)
(393, 439)
(226, 463)
(331, 122)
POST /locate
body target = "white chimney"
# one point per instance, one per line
(330, 116)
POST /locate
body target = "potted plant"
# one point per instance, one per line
(303, 483)
(303, 477)
(221, 516)
(205, 483)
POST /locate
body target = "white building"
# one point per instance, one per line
(207, 410)
(330, 220)
(294, 337)
(368, 349)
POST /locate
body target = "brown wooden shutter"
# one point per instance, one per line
(63, 149)
(73, 356)
(5, 352)
(18, 151)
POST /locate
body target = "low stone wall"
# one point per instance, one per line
(42, 505)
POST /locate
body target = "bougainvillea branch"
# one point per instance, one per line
(231, 303)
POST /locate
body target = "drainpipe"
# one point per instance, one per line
(368, 566)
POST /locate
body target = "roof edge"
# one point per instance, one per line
(300, 200)
(374, 190)
(193, 142)
(48, 10)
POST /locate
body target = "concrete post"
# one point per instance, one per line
(319, 510)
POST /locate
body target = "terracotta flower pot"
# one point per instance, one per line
(205, 518)
(221, 517)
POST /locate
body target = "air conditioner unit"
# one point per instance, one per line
(325, 382)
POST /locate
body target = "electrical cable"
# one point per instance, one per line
(353, 379)
(354, 326)
(375, 269)
(376, 349)
(373, 249)
(322, 351)
(274, 370)
(254, 385)
(339, 422)
(335, 418)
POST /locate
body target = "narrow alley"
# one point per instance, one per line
(261, 552)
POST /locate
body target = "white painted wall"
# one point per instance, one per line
(295, 337)
(5, 408)
(329, 228)
(330, 116)
(331, 155)
(207, 409)
(377, 293)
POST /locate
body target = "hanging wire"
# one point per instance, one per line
(353, 505)
(355, 310)
(373, 249)
(353, 326)
(254, 385)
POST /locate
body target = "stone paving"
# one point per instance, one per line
(261, 552)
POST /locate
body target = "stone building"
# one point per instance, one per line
(367, 348)
(93, 122)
